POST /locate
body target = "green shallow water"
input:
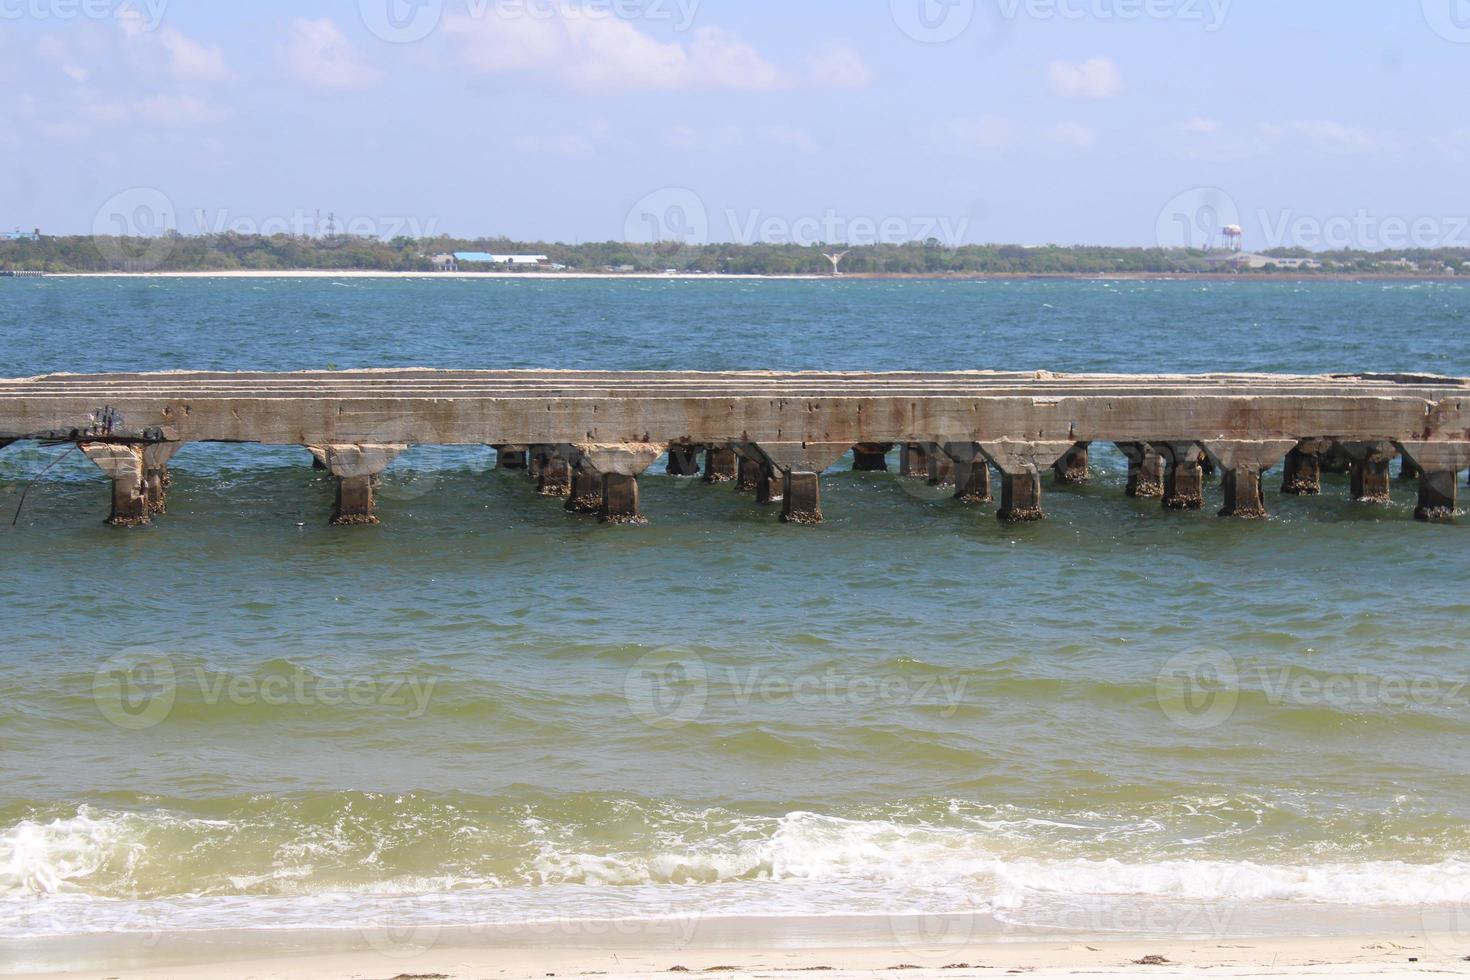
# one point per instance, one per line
(486, 710)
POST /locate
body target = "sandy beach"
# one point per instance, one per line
(1382, 956)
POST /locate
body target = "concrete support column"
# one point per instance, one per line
(801, 501)
(1020, 465)
(770, 488)
(620, 500)
(1145, 470)
(1303, 477)
(912, 461)
(1241, 464)
(971, 472)
(536, 457)
(1336, 459)
(1438, 465)
(1184, 480)
(555, 478)
(748, 476)
(123, 464)
(940, 468)
(356, 468)
(585, 496)
(720, 465)
(799, 465)
(620, 465)
(1408, 469)
(155, 474)
(1071, 469)
(683, 461)
(511, 458)
(871, 457)
(1369, 473)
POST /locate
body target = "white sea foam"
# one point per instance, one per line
(78, 874)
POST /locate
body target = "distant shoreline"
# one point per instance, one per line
(727, 277)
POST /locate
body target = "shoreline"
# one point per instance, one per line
(737, 277)
(387, 955)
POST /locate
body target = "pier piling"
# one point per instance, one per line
(912, 461)
(155, 474)
(683, 461)
(1020, 465)
(1438, 466)
(871, 457)
(720, 465)
(1184, 480)
(123, 465)
(356, 468)
(1368, 474)
(971, 472)
(940, 469)
(1145, 470)
(1072, 468)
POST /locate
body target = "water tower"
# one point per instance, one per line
(1233, 235)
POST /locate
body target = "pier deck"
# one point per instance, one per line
(590, 434)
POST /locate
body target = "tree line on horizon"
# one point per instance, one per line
(281, 253)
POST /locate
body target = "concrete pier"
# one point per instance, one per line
(912, 461)
(595, 433)
(1303, 476)
(683, 461)
(940, 469)
(720, 465)
(1071, 469)
(871, 457)
(1368, 475)
(971, 472)
(1184, 480)
(1145, 470)
(357, 468)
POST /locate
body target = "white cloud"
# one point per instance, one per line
(1324, 134)
(1072, 134)
(1095, 78)
(1200, 124)
(317, 52)
(838, 65)
(588, 49)
(188, 60)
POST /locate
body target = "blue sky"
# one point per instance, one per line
(1030, 121)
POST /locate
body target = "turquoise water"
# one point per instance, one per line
(488, 711)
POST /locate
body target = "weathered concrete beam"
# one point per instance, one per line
(720, 465)
(1145, 470)
(1020, 465)
(971, 472)
(1438, 465)
(1369, 479)
(156, 480)
(1242, 464)
(1184, 480)
(683, 460)
(1071, 469)
(318, 457)
(123, 465)
(356, 468)
(871, 457)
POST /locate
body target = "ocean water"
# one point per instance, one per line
(486, 712)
